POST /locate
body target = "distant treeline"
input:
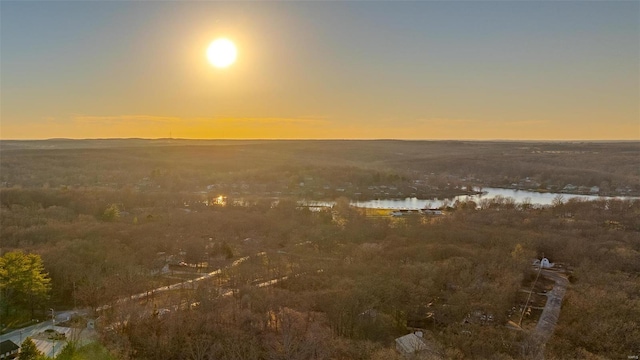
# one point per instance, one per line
(317, 168)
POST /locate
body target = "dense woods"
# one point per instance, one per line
(316, 169)
(337, 283)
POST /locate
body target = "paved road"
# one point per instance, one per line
(48, 347)
(551, 312)
(188, 284)
(51, 348)
(18, 336)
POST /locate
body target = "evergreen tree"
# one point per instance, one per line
(29, 351)
(68, 352)
(111, 213)
(23, 281)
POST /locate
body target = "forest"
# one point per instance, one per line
(317, 169)
(99, 224)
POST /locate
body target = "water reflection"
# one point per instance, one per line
(520, 196)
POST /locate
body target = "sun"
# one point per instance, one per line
(222, 53)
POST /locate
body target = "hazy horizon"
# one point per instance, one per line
(531, 71)
(330, 139)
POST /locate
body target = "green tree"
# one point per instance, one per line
(111, 213)
(29, 351)
(69, 352)
(23, 281)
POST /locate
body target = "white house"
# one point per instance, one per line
(544, 263)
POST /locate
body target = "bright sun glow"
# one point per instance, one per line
(221, 53)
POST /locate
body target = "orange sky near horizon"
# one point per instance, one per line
(414, 70)
(310, 128)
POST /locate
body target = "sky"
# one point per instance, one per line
(512, 70)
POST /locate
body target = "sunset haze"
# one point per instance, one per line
(316, 70)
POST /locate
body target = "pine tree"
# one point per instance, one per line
(68, 352)
(29, 351)
(23, 280)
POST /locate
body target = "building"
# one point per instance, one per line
(432, 211)
(8, 349)
(544, 263)
(404, 212)
(410, 344)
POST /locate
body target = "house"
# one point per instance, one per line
(403, 212)
(8, 349)
(160, 268)
(544, 263)
(419, 345)
(410, 344)
(584, 189)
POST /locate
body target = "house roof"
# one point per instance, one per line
(8, 346)
(410, 343)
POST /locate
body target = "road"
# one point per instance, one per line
(52, 348)
(48, 347)
(188, 284)
(551, 312)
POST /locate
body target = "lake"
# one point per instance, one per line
(535, 198)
